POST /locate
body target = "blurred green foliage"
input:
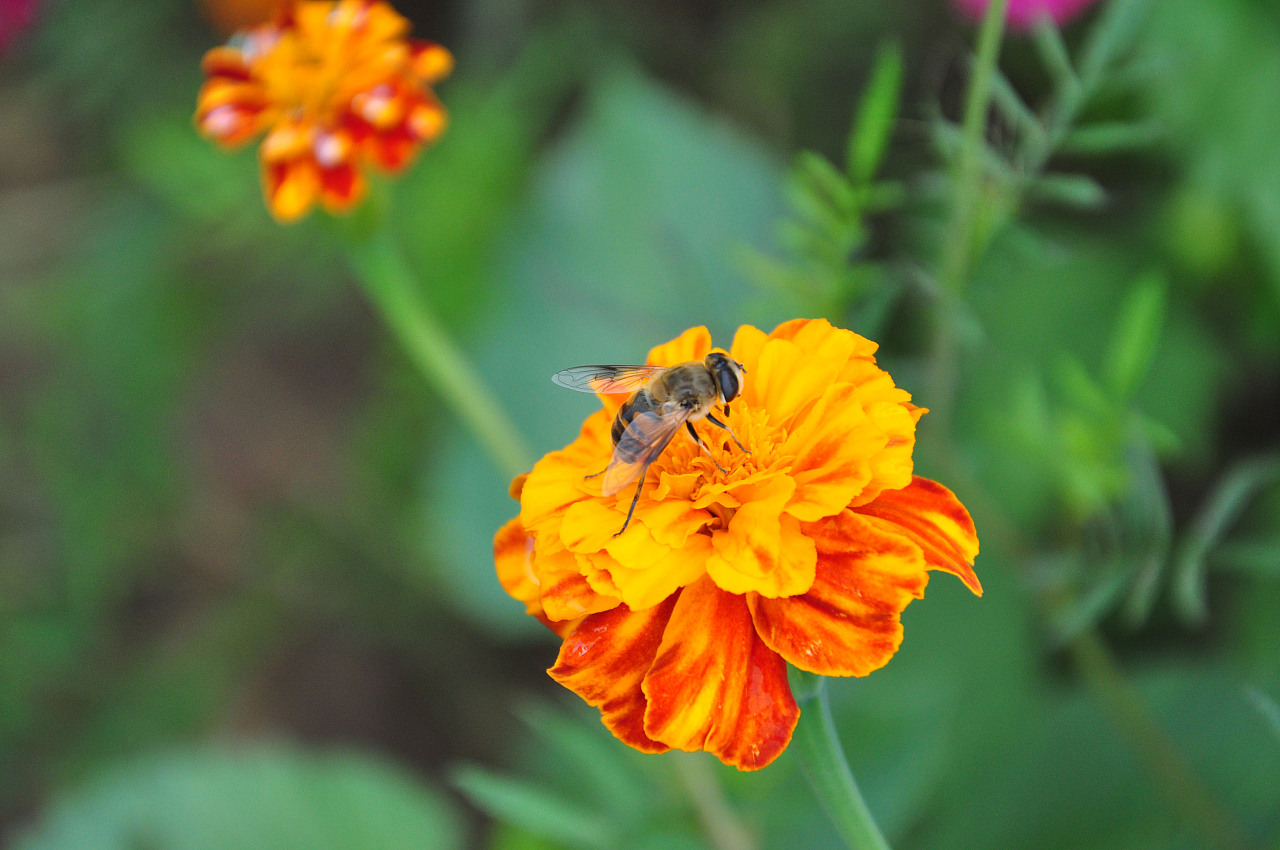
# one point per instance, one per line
(230, 513)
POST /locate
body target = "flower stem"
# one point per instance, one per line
(723, 829)
(393, 289)
(957, 258)
(826, 767)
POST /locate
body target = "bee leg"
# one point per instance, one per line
(634, 499)
(720, 424)
(703, 446)
(595, 474)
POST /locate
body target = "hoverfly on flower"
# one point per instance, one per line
(663, 398)
(803, 552)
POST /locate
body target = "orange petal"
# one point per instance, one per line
(563, 590)
(391, 149)
(513, 558)
(931, 516)
(225, 62)
(693, 344)
(715, 686)
(430, 62)
(747, 343)
(557, 479)
(847, 624)
(291, 187)
(833, 446)
(604, 661)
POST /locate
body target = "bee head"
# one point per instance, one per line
(727, 374)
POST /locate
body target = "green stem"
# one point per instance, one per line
(826, 767)
(720, 823)
(957, 258)
(393, 289)
(1200, 811)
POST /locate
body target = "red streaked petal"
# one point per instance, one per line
(513, 558)
(341, 187)
(605, 659)
(291, 187)
(847, 624)
(225, 62)
(715, 686)
(563, 590)
(931, 516)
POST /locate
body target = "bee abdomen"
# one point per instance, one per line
(639, 403)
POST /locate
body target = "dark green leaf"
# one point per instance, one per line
(1136, 335)
(535, 809)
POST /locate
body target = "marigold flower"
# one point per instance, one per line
(333, 85)
(1023, 14)
(806, 552)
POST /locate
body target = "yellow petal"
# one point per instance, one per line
(763, 550)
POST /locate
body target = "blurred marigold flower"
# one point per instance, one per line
(1023, 14)
(333, 85)
(232, 15)
(807, 551)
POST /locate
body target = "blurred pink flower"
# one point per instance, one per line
(15, 16)
(1023, 14)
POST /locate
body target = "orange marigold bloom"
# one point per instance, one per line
(334, 85)
(806, 552)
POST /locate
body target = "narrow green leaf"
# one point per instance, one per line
(1109, 137)
(1069, 190)
(877, 115)
(1111, 35)
(1015, 110)
(1224, 505)
(1054, 55)
(535, 809)
(1136, 335)
(824, 178)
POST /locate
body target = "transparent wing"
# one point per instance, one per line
(640, 445)
(606, 379)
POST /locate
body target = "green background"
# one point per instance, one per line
(246, 588)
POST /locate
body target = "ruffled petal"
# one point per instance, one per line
(513, 557)
(931, 516)
(605, 660)
(564, 592)
(833, 447)
(762, 549)
(557, 479)
(847, 624)
(715, 686)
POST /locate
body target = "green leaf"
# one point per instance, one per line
(1108, 137)
(1115, 30)
(1015, 110)
(1054, 55)
(535, 809)
(1225, 504)
(1136, 335)
(1076, 191)
(249, 798)
(877, 115)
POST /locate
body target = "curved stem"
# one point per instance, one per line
(393, 289)
(826, 768)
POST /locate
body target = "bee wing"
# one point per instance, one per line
(640, 445)
(606, 379)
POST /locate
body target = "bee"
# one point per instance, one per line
(663, 398)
